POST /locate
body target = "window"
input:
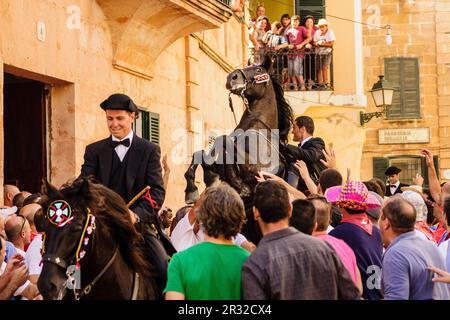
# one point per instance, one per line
(147, 126)
(410, 165)
(403, 74)
(315, 8)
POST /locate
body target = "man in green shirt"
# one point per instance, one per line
(211, 270)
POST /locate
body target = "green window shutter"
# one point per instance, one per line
(315, 8)
(403, 75)
(411, 93)
(145, 125)
(424, 169)
(392, 73)
(154, 127)
(379, 167)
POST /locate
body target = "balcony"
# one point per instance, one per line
(316, 68)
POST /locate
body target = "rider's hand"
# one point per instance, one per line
(133, 216)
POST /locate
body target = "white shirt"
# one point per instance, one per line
(183, 236)
(305, 141)
(20, 251)
(33, 256)
(330, 228)
(394, 186)
(121, 150)
(443, 249)
(328, 36)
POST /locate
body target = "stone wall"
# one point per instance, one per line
(78, 62)
(419, 29)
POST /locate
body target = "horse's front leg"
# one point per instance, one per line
(191, 192)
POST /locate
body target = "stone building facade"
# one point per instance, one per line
(417, 64)
(60, 59)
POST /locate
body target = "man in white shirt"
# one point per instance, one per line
(186, 234)
(18, 231)
(13, 277)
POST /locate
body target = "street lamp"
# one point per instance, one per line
(382, 96)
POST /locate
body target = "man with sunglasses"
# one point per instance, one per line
(18, 231)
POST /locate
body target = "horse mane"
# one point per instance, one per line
(111, 211)
(285, 113)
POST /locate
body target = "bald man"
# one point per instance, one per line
(28, 212)
(20, 198)
(33, 255)
(9, 191)
(18, 231)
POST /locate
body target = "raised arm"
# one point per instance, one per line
(435, 187)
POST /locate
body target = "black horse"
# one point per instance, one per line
(91, 248)
(262, 131)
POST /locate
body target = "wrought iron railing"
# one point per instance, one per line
(316, 68)
(227, 2)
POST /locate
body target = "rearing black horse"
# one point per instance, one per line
(262, 131)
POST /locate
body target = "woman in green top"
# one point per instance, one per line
(211, 270)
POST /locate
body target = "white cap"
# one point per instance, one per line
(322, 22)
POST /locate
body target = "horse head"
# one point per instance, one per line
(87, 230)
(62, 220)
(252, 81)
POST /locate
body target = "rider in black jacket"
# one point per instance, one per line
(310, 150)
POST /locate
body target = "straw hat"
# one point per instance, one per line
(353, 195)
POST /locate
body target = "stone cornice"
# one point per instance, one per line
(142, 29)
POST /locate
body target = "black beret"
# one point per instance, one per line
(119, 101)
(392, 170)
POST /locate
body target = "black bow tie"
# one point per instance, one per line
(125, 142)
(393, 186)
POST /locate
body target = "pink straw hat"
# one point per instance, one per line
(353, 195)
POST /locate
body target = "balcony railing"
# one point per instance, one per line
(316, 68)
(227, 2)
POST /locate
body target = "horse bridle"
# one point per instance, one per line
(88, 229)
(257, 79)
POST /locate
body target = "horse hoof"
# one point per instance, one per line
(191, 197)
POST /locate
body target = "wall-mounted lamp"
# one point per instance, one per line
(382, 96)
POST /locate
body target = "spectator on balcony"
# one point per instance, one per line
(273, 39)
(324, 41)
(310, 58)
(257, 46)
(260, 12)
(286, 23)
(297, 38)
(238, 7)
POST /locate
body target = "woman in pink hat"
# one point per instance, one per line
(358, 232)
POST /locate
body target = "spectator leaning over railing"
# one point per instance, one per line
(257, 47)
(274, 42)
(310, 58)
(286, 25)
(260, 12)
(273, 39)
(324, 40)
(297, 38)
